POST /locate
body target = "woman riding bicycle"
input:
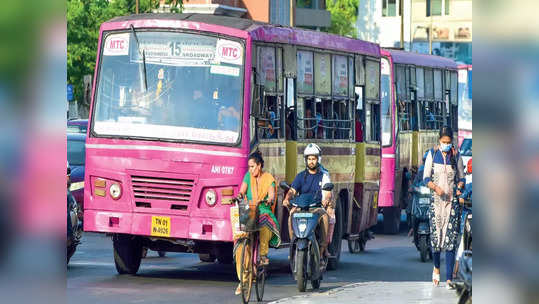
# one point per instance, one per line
(259, 188)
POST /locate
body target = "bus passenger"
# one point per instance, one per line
(260, 188)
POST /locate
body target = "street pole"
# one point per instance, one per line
(430, 36)
(291, 13)
(401, 8)
(136, 7)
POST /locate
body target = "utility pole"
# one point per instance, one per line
(292, 12)
(401, 9)
(136, 7)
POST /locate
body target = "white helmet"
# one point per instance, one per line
(312, 149)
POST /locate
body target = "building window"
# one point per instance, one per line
(280, 12)
(389, 8)
(304, 3)
(436, 7)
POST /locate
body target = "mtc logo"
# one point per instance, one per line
(229, 52)
(118, 44)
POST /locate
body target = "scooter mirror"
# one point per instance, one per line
(328, 187)
(284, 186)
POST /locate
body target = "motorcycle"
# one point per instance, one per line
(305, 250)
(420, 221)
(74, 224)
(463, 285)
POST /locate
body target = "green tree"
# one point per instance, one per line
(343, 17)
(83, 20)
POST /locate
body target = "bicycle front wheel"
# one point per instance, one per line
(260, 282)
(246, 270)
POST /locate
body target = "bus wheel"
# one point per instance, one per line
(127, 253)
(392, 220)
(336, 242)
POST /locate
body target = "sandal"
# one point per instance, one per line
(435, 278)
(238, 290)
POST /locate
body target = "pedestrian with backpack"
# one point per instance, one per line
(443, 170)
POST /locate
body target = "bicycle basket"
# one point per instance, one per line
(248, 216)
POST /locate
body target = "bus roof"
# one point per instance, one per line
(433, 61)
(268, 32)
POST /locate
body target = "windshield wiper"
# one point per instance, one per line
(142, 67)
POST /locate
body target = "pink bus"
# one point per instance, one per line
(419, 95)
(465, 102)
(179, 102)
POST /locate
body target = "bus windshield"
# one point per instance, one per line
(169, 86)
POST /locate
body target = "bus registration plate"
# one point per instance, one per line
(160, 226)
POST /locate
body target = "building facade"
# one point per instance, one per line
(382, 21)
(305, 13)
(449, 23)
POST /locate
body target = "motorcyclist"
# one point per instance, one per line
(417, 183)
(311, 181)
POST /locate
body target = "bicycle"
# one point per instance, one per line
(250, 271)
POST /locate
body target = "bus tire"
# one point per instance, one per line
(127, 253)
(336, 242)
(392, 220)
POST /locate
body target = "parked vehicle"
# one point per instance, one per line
(421, 200)
(466, 150)
(77, 126)
(74, 225)
(76, 154)
(304, 250)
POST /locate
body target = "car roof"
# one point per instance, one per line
(76, 136)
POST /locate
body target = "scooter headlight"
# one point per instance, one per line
(302, 225)
(424, 190)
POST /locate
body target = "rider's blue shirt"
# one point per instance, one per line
(306, 182)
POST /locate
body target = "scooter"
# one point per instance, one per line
(305, 249)
(74, 231)
(463, 285)
(420, 220)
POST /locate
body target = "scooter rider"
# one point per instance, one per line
(311, 180)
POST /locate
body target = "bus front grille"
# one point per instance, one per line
(161, 190)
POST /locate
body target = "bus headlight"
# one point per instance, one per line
(211, 197)
(115, 191)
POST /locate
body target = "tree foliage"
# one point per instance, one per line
(343, 17)
(83, 20)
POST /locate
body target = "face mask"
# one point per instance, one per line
(445, 147)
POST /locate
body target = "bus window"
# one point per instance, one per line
(404, 104)
(270, 67)
(372, 101)
(385, 88)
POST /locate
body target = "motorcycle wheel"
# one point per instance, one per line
(300, 275)
(70, 251)
(465, 297)
(423, 248)
(127, 253)
(354, 246)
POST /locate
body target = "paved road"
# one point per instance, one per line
(389, 269)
